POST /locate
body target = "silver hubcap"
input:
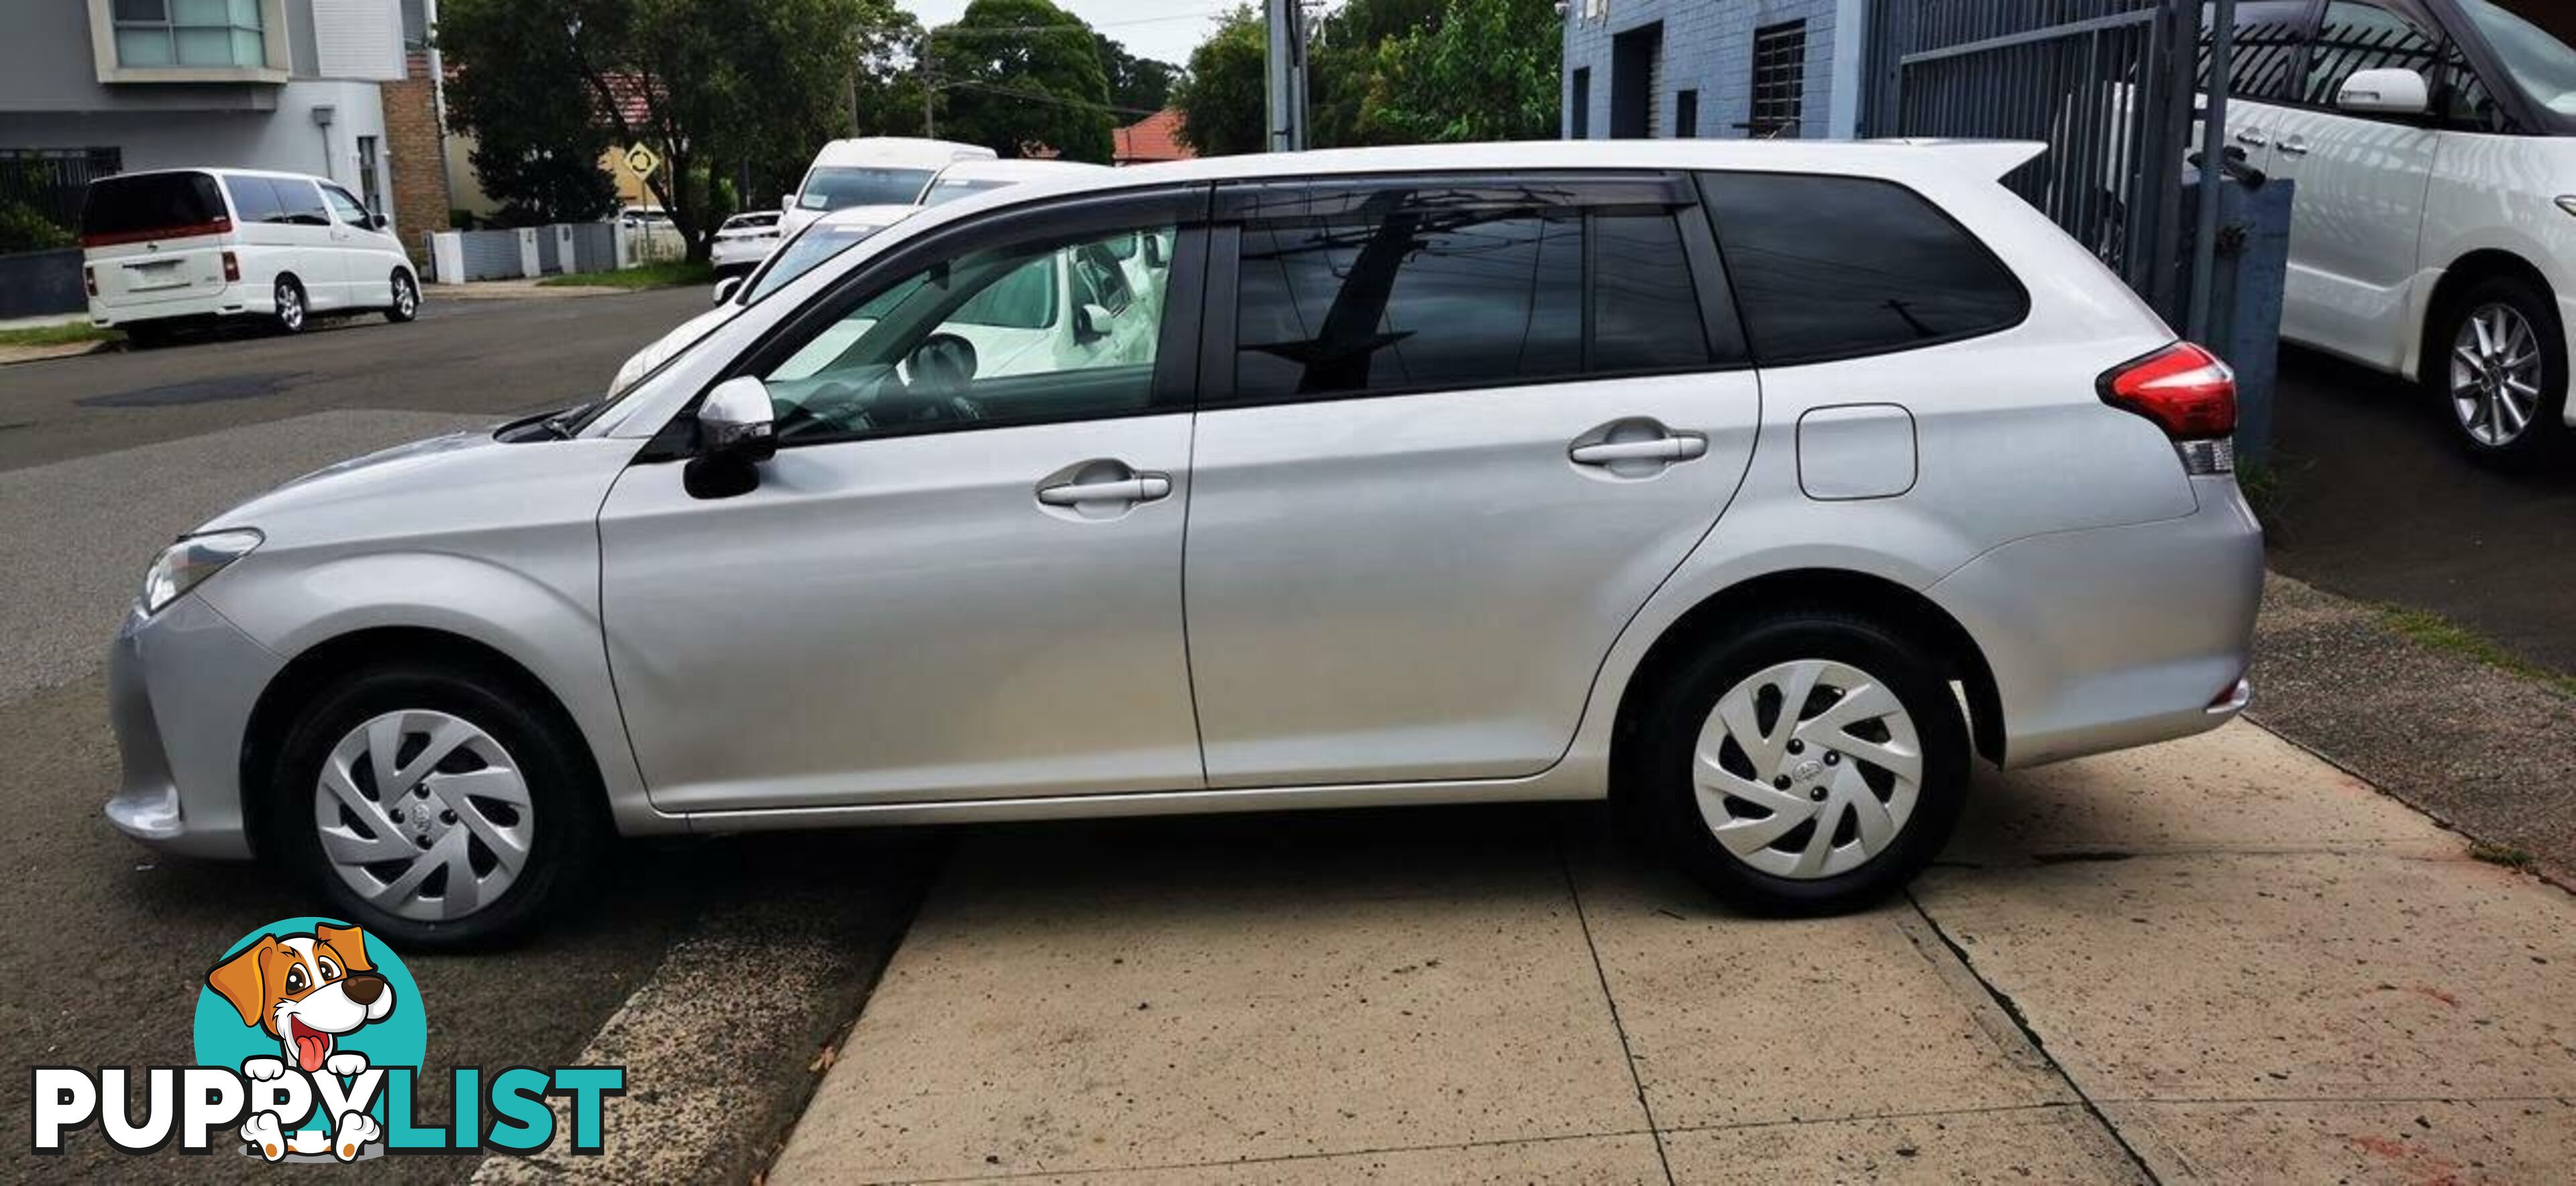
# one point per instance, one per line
(404, 301)
(424, 815)
(1807, 769)
(2495, 375)
(290, 306)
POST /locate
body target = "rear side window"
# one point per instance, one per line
(253, 200)
(1441, 288)
(1837, 267)
(149, 205)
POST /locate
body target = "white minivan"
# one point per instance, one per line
(175, 247)
(2433, 228)
(870, 171)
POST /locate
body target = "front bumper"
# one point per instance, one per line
(2119, 636)
(180, 687)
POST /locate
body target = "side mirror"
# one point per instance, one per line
(725, 289)
(379, 221)
(786, 202)
(736, 421)
(1090, 323)
(2394, 90)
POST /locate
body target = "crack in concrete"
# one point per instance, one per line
(1574, 894)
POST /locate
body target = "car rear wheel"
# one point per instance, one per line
(1805, 764)
(291, 310)
(438, 806)
(406, 299)
(2503, 370)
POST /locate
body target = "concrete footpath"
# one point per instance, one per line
(2220, 960)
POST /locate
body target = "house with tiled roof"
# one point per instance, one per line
(1156, 137)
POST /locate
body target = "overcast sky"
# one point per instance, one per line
(1166, 29)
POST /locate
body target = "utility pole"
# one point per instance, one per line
(929, 129)
(1285, 97)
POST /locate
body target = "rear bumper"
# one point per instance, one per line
(232, 300)
(2118, 636)
(180, 686)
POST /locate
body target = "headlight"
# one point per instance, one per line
(187, 563)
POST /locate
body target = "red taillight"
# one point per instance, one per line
(232, 272)
(89, 280)
(2186, 390)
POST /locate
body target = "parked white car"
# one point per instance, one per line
(978, 176)
(819, 241)
(2433, 234)
(870, 171)
(743, 241)
(178, 247)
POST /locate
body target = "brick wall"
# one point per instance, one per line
(1708, 47)
(416, 155)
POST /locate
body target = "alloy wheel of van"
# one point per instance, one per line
(424, 815)
(1807, 769)
(290, 306)
(406, 303)
(2496, 374)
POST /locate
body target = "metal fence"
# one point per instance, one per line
(54, 181)
(2107, 83)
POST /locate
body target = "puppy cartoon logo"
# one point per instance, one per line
(307, 991)
(310, 1043)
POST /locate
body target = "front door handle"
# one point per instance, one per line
(1677, 447)
(1142, 488)
(2294, 146)
(2251, 136)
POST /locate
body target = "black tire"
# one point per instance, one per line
(405, 298)
(567, 823)
(293, 311)
(1669, 801)
(2546, 432)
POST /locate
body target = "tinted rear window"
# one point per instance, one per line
(1834, 267)
(141, 205)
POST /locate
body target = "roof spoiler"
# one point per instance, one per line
(1985, 158)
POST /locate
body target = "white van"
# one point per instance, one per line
(2433, 230)
(975, 176)
(870, 171)
(193, 246)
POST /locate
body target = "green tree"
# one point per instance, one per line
(718, 89)
(1137, 85)
(1342, 64)
(1221, 98)
(538, 137)
(1486, 71)
(1009, 80)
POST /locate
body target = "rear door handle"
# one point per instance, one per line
(2294, 146)
(2252, 136)
(1678, 447)
(1142, 488)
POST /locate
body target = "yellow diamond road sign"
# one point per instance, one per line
(642, 160)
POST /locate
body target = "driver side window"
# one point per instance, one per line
(1036, 331)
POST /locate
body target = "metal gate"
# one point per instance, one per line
(2107, 83)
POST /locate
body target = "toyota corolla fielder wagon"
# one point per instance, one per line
(1757, 485)
(180, 247)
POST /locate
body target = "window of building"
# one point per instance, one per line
(1686, 115)
(2358, 37)
(1779, 81)
(367, 182)
(1836, 267)
(1434, 291)
(189, 33)
(1580, 103)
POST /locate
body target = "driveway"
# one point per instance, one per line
(2219, 959)
(2374, 502)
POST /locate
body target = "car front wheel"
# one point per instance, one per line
(438, 806)
(2503, 370)
(1805, 764)
(405, 299)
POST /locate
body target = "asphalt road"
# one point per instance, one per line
(103, 944)
(2373, 501)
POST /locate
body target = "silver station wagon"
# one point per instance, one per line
(1756, 486)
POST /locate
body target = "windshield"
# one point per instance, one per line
(2541, 64)
(839, 188)
(819, 242)
(951, 189)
